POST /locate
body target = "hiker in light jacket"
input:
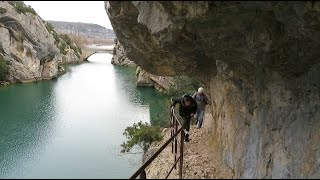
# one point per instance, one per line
(202, 101)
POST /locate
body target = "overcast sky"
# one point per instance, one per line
(72, 11)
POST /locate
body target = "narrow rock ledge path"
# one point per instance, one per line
(199, 159)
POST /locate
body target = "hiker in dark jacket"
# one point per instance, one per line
(187, 109)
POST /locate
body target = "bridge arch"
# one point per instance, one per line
(87, 53)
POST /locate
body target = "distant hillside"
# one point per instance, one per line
(85, 29)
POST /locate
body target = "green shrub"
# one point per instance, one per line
(141, 134)
(20, 7)
(76, 50)
(69, 42)
(183, 85)
(66, 39)
(56, 37)
(4, 69)
(63, 41)
(49, 27)
(62, 46)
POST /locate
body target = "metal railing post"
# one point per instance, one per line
(171, 127)
(143, 175)
(181, 154)
(175, 144)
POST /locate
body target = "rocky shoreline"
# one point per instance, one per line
(61, 71)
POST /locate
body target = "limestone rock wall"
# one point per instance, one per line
(270, 130)
(119, 56)
(26, 46)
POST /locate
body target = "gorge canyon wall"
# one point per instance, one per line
(29, 51)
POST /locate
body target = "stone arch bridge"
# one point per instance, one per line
(87, 52)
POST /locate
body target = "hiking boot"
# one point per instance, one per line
(186, 139)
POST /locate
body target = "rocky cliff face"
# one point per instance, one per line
(27, 48)
(260, 62)
(119, 56)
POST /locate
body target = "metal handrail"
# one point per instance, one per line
(174, 133)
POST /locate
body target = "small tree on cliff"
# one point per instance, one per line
(141, 134)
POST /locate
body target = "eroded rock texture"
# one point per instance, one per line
(119, 56)
(27, 47)
(260, 62)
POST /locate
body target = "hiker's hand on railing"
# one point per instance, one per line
(171, 103)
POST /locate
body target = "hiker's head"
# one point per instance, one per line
(200, 90)
(187, 100)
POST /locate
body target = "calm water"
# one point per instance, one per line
(71, 127)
